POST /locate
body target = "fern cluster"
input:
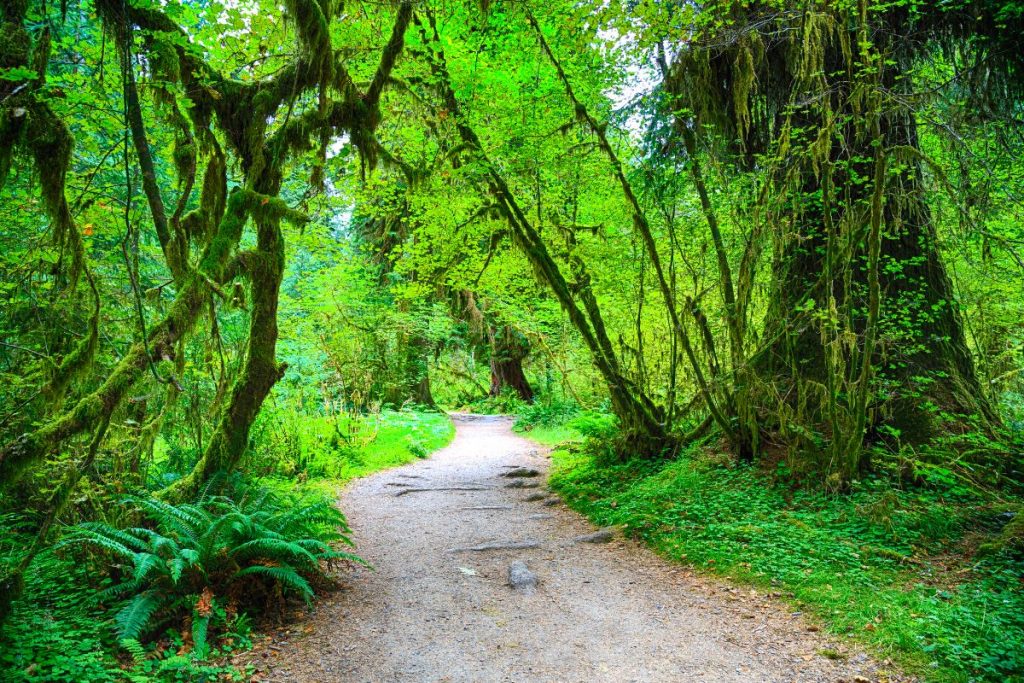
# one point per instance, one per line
(184, 563)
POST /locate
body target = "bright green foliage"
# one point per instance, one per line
(57, 634)
(340, 448)
(256, 236)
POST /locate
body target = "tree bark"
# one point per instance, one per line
(862, 335)
(922, 362)
(508, 350)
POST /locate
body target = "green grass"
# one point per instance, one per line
(553, 435)
(322, 453)
(403, 437)
(889, 568)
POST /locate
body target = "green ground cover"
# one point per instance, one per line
(913, 573)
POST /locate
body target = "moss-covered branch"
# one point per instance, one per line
(100, 404)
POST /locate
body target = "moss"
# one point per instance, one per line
(15, 45)
(80, 358)
(163, 60)
(10, 130)
(14, 10)
(312, 25)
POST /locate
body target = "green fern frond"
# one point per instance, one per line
(135, 616)
(273, 549)
(165, 546)
(84, 536)
(163, 512)
(126, 537)
(342, 555)
(200, 628)
(175, 568)
(117, 590)
(190, 556)
(286, 576)
(145, 563)
(134, 648)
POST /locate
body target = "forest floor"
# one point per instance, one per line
(441, 535)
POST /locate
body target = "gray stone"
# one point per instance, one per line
(599, 536)
(521, 472)
(520, 577)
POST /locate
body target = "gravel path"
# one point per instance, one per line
(439, 607)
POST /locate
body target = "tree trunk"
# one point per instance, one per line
(416, 372)
(862, 338)
(260, 372)
(508, 349)
(921, 364)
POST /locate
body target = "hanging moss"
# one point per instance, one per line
(240, 112)
(80, 358)
(15, 51)
(200, 222)
(50, 143)
(10, 129)
(313, 27)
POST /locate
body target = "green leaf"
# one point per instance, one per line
(134, 617)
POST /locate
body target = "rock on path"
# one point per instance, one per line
(609, 612)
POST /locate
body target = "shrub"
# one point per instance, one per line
(596, 425)
(551, 412)
(199, 563)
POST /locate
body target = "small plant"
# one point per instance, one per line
(552, 412)
(197, 563)
(417, 447)
(596, 425)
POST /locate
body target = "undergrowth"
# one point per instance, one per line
(913, 573)
(336, 449)
(170, 595)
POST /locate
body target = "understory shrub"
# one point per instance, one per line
(548, 411)
(198, 566)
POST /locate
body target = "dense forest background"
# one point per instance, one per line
(247, 248)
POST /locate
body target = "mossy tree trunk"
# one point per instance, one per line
(260, 370)
(862, 336)
(414, 371)
(508, 350)
(922, 363)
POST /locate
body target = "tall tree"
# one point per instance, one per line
(862, 334)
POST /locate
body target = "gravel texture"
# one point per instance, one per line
(433, 610)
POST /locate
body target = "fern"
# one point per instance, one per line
(283, 575)
(99, 539)
(200, 627)
(220, 544)
(134, 617)
(275, 548)
(145, 563)
(134, 648)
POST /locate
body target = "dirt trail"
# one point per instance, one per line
(435, 610)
